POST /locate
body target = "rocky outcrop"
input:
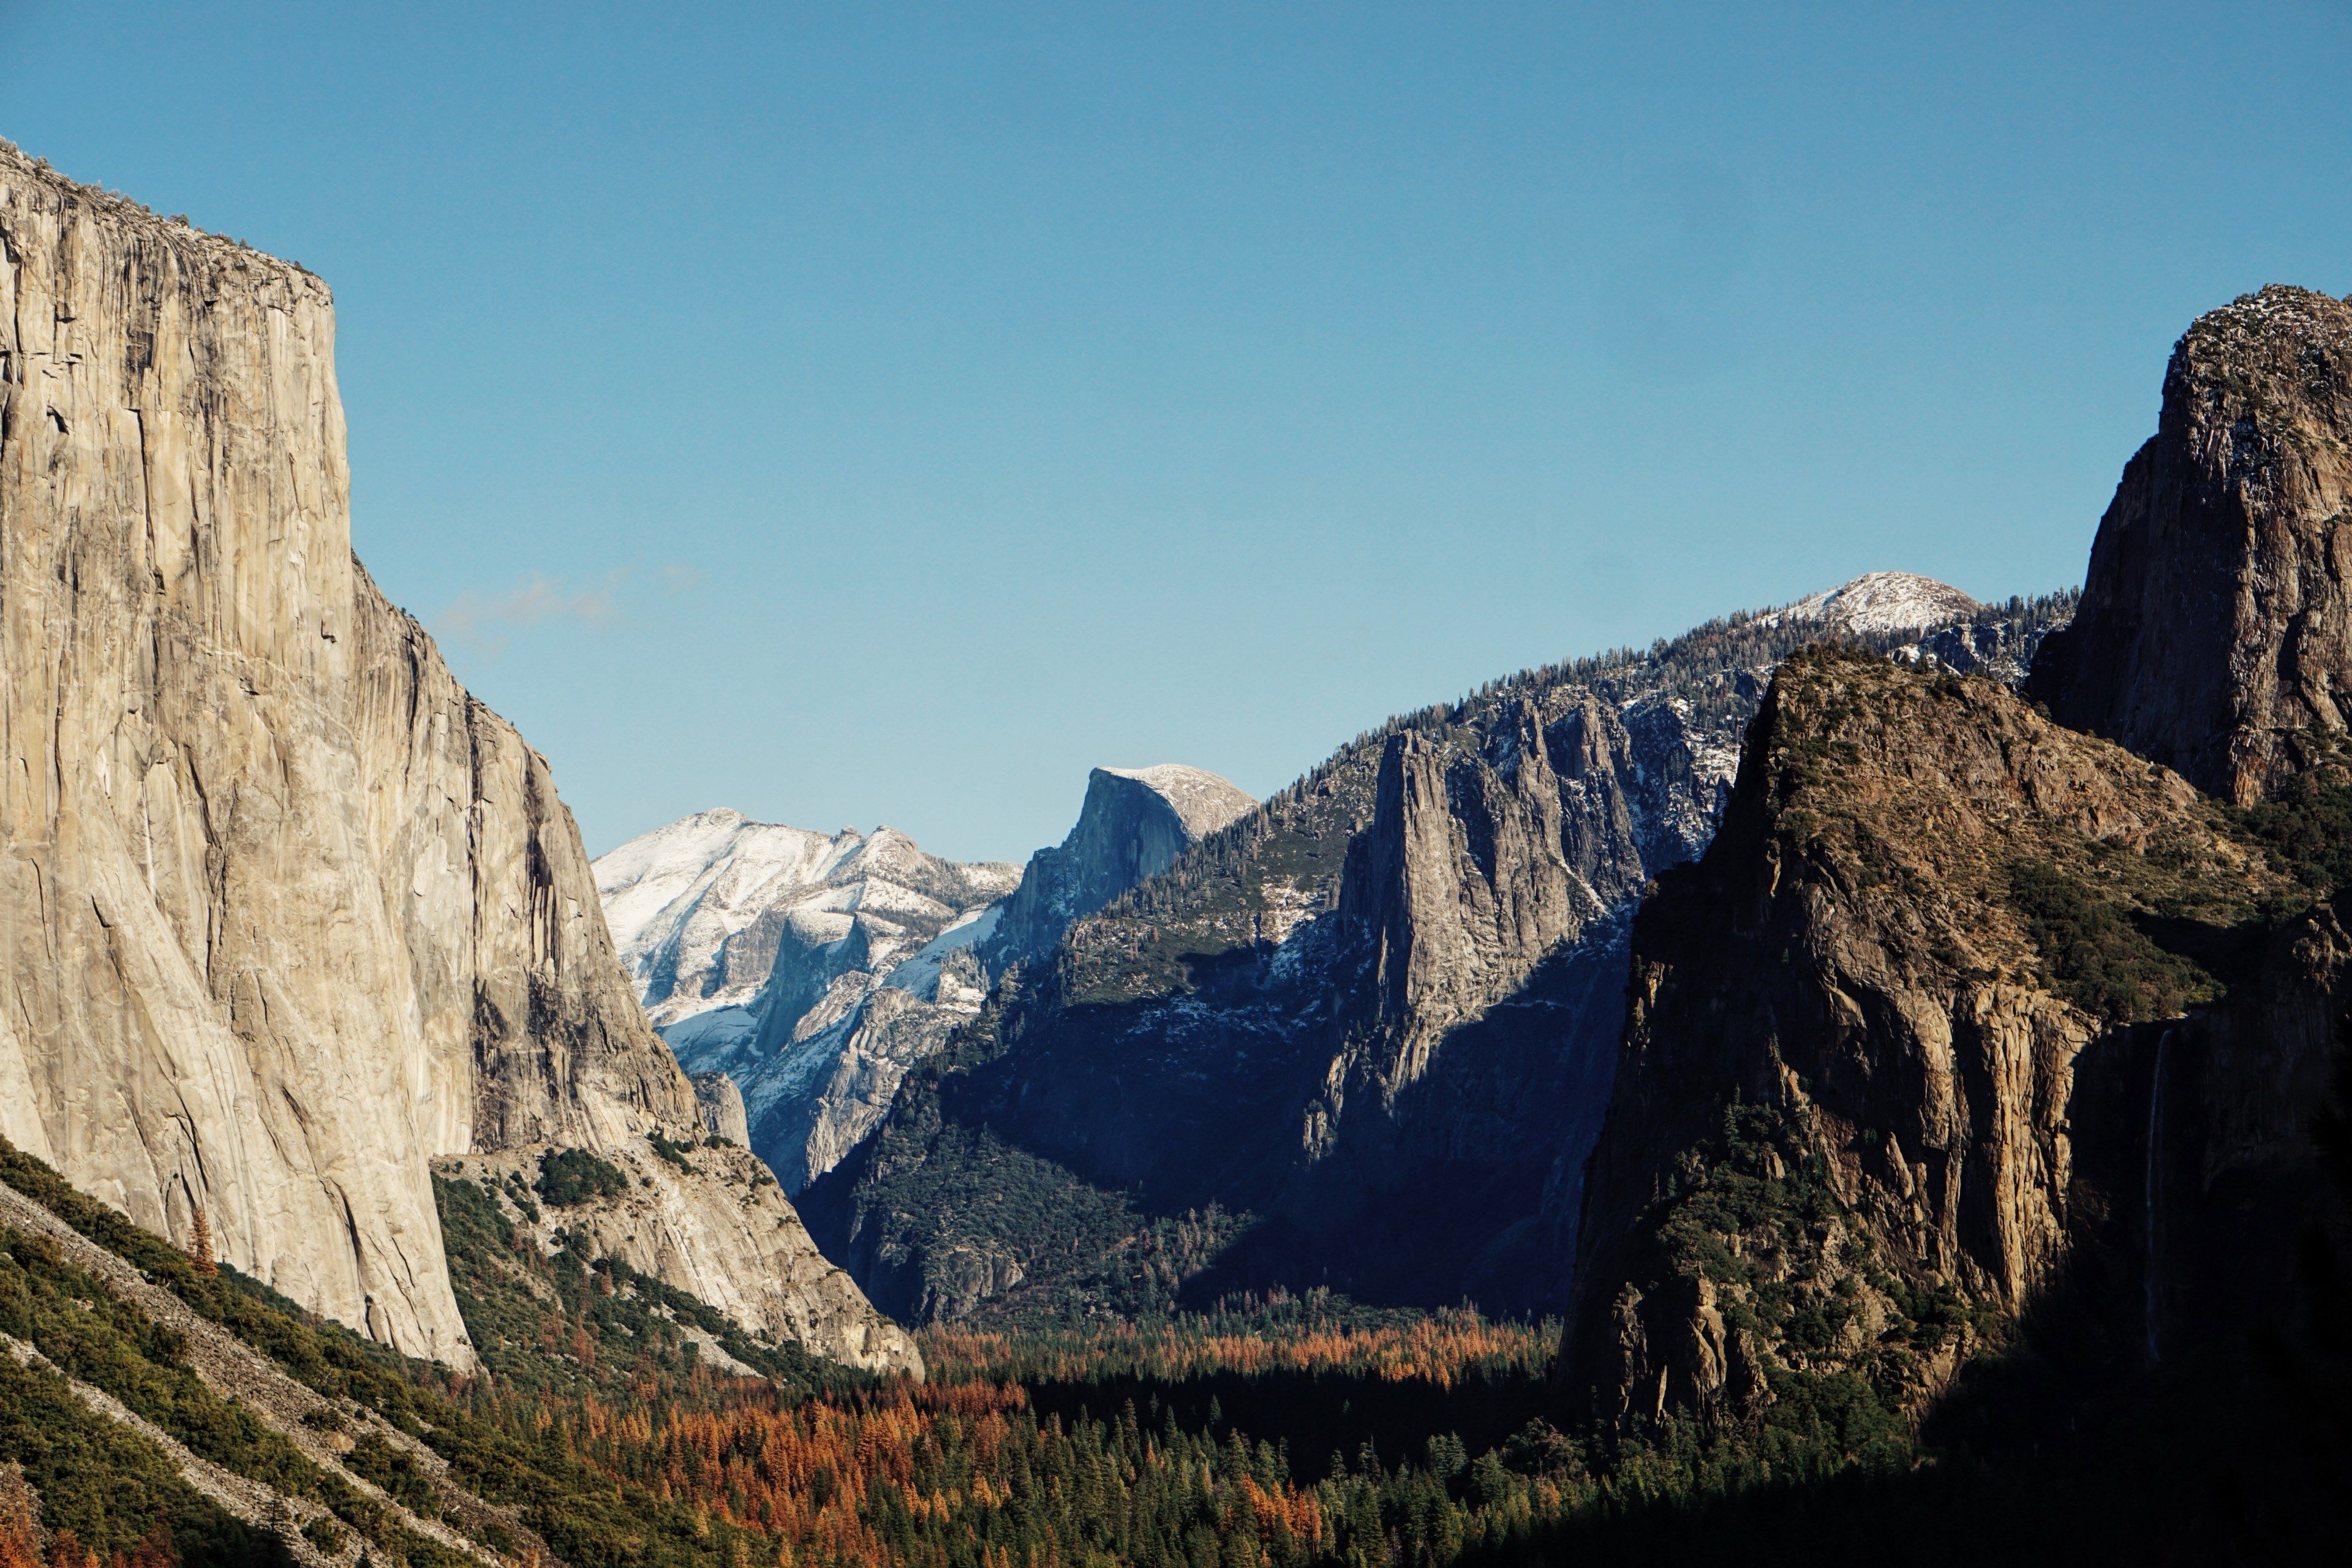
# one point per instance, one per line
(2215, 634)
(711, 1221)
(701, 910)
(1134, 822)
(722, 1107)
(190, 901)
(1363, 1037)
(284, 911)
(1891, 1044)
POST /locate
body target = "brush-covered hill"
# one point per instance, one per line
(154, 1401)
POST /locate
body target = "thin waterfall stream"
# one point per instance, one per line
(2153, 1196)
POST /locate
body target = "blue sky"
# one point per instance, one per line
(884, 412)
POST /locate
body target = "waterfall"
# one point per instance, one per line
(2154, 1184)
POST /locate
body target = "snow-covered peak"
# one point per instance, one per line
(696, 907)
(1202, 802)
(1880, 602)
(719, 858)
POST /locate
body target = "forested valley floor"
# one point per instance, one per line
(621, 1423)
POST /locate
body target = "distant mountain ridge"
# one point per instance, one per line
(800, 965)
(700, 909)
(812, 969)
(1362, 1035)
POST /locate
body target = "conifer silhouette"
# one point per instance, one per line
(200, 1245)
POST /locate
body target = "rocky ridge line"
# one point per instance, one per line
(1361, 1037)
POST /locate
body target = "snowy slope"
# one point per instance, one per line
(677, 898)
(699, 909)
(1879, 601)
(809, 968)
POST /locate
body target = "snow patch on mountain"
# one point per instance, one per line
(762, 952)
(924, 973)
(701, 908)
(1879, 601)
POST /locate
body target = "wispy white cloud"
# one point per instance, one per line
(483, 621)
(677, 579)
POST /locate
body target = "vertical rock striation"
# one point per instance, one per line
(526, 1015)
(1479, 862)
(284, 912)
(2215, 632)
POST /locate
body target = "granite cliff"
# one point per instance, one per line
(1133, 823)
(2214, 634)
(1976, 1029)
(285, 913)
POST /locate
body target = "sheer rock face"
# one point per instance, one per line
(1478, 863)
(1135, 822)
(284, 912)
(1482, 909)
(2215, 632)
(722, 1107)
(522, 1003)
(1855, 961)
